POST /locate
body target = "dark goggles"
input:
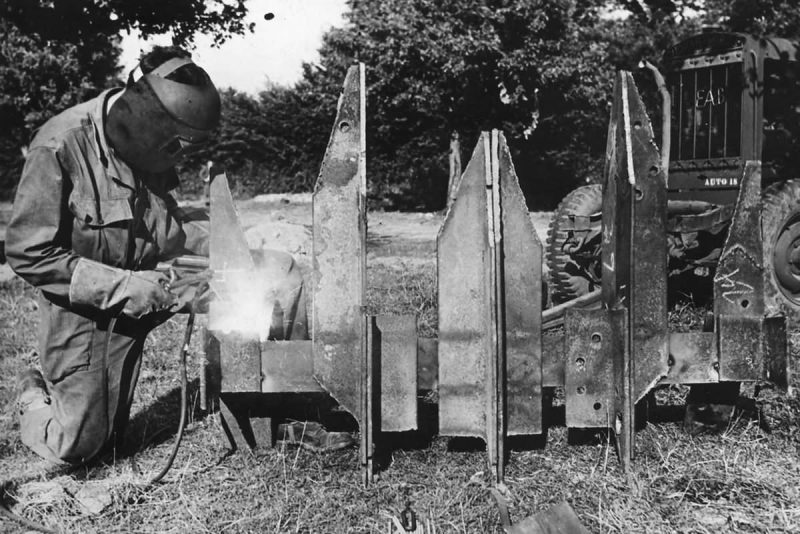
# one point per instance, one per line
(179, 146)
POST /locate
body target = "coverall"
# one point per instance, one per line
(76, 199)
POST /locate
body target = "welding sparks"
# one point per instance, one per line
(245, 303)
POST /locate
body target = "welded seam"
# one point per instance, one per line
(627, 121)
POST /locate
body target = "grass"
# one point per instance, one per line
(744, 479)
(401, 287)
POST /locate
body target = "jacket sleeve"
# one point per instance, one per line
(194, 224)
(37, 238)
(197, 231)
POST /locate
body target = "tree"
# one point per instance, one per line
(272, 143)
(88, 23)
(760, 17)
(56, 53)
(434, 67)
(37, 78)
(540, 70)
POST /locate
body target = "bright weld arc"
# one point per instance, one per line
(248, 305)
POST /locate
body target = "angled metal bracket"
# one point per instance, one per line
(489, 261)
(339, 254)
(751, 347)
(634, 269)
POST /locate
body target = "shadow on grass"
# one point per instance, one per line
(158, 423)
(155, 425)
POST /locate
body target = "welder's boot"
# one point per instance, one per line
(32, 391)
(313, 436)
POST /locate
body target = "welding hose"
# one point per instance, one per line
(200, 293)
(187, 337)
(184, 350)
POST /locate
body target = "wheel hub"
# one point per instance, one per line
(786, 260)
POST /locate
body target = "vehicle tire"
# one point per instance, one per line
(780, 231)
(571, 276)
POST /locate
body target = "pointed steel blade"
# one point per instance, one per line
(228, 248)
(464, 297)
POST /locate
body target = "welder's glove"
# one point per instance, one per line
(133, 293)
(191, 298)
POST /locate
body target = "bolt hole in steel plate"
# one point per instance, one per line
(597, 406)
(344, 126)
(786, 259)
(581, 363)
(638, 193)
(581, 390)
(745, 303)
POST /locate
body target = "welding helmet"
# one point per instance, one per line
(156, 121)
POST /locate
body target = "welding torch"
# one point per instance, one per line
(186, 271)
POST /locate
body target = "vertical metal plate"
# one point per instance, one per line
(240, 363)
(239, 354)
(634, 236)
(490, 368)
(227, 245)
(617, 261)
(553, 358)
(739, 286)
(397, 359)
(210, 373)
(338, 237)
(463, 266)
(692, 358)
(616, 210)
(741, 355)
(496, 364)
(593, 342)
(370, 409)
(775, 351)
(521, 285)
(287, 367)
(634, 263)
(648, 306)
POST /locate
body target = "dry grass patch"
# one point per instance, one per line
(745, 479)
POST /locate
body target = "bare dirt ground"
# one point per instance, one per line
(743, 479)
(284, 222)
